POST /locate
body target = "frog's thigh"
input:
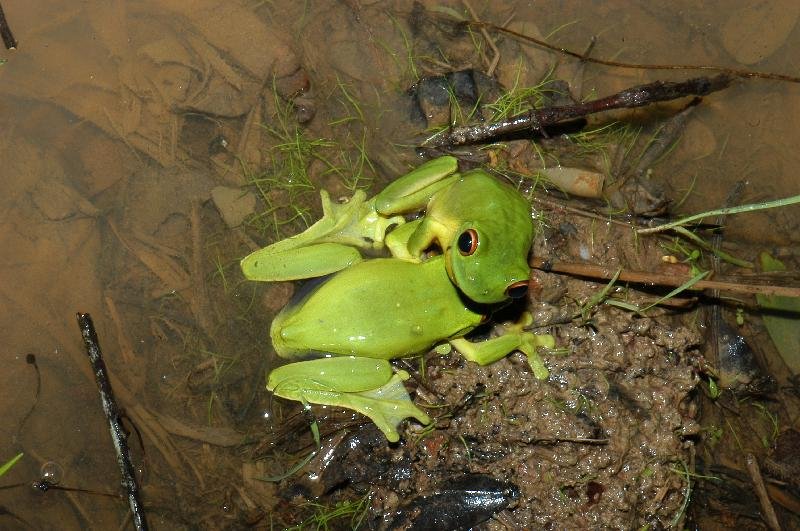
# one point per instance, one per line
(365, 385)
(491, 350)
(308, 261)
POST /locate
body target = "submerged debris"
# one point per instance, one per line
(458, 504)
(737, 365)
(784, 461)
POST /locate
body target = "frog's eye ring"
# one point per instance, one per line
(517, 290)
(468, 242)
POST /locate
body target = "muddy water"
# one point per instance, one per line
(117, 120)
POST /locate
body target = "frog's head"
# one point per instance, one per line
(488, 263)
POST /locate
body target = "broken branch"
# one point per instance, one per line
(536, 119)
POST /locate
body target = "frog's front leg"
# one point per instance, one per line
(366, 385)
(514, 338)
(409, 241)
(397, 241)
(412, 191)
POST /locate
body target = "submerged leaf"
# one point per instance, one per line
(782, 318)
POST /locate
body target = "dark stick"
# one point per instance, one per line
(111, 411)
(30, 359)
(638, 96)
(5, 31)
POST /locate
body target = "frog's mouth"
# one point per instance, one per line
(448, 266)
(517, 290)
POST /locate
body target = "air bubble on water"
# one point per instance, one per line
(52, 472)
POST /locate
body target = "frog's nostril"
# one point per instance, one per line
(517, 290)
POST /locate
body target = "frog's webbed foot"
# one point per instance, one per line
(365, 385)
(308, 261)
(329, 245)
(387, 406)
(513, 338)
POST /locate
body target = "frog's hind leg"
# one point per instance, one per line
(365, 385)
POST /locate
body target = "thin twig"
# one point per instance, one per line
(559, 440)
(555, 205)
(728, 71)
(634, 97)
(489, 41)
(199, 296)
(758, 483)
(5, 31)
(643, 277)
(111, 411)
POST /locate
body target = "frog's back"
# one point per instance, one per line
(382, 308)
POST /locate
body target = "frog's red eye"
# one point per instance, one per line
(468, 242)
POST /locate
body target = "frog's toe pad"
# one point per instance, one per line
(387, 406)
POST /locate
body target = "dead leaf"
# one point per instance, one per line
(782, 319)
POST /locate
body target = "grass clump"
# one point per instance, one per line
(287, 183)
(522, 99)
(347, 514)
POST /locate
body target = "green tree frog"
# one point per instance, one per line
(373, 311)
(481, 225)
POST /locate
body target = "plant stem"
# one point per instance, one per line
(723, 212)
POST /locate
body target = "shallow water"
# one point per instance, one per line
(111, 120)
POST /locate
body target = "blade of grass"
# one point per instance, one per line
(686, 285)
(722, 212)
(708, 247)
(10, 463)
(600, 296)
(303, 462)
